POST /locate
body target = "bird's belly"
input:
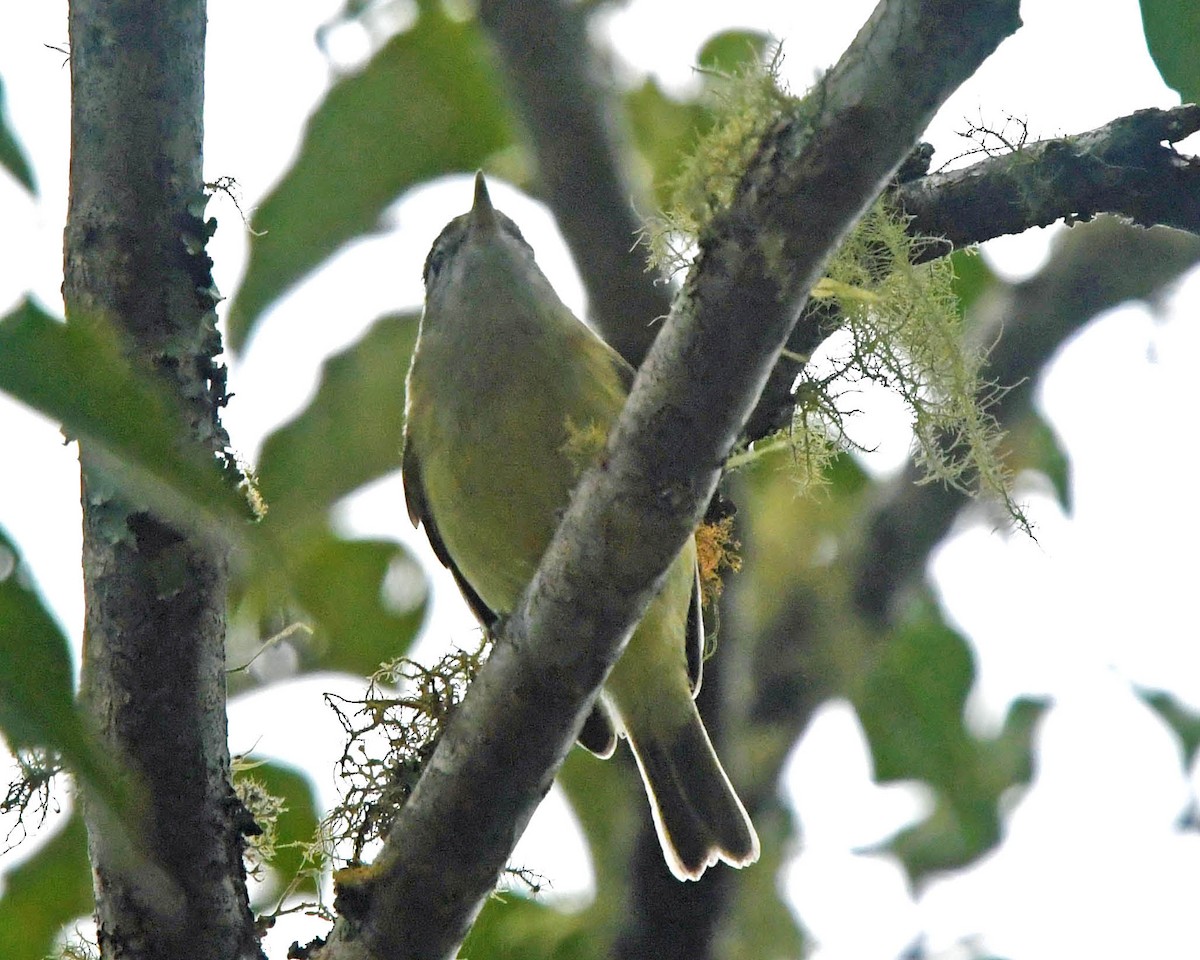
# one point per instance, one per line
(496, 510)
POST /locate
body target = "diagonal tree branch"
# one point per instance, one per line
(633, 512)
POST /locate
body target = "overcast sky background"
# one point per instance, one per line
(1094, 863)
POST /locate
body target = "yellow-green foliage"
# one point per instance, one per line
(903, 320)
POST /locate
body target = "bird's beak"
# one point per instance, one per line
(483, 214)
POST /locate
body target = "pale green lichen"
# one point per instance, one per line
(745, 104)
(391, 731)
(265, 808)
(904, 324)
(908, 336)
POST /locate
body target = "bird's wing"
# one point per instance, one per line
(599, 734)
(419, 514)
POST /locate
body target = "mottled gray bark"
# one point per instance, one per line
(154, 670)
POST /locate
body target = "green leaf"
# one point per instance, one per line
(12, 158)
(47, 891)
(972, 276)
(350, 433)
(664, 131)
(1035, 445)
(731, 50)
(75, 373)
(1185, 722)
(362, 603)
(515, 926)
(37, 702)
(911, 706)
(428, 103)
(294, 827)
(343, 585)
(1172, 29)
(608, 799)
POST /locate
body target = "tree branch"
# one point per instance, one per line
(154, 656)
(1126, 167)
(575, 134)
(633, 512)
(1123, 167)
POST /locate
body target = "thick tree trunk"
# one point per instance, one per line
(154, 670)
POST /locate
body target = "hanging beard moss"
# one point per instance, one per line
(903, 321)
(908, 336)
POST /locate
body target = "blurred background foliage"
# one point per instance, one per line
(797, 626)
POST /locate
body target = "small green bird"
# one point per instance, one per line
(507, 394)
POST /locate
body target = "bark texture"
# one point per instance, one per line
(154, 669)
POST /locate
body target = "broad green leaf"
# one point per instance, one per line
(350, 433)
(37, 702)
(731, 50)
(1185, 722)
(1033, 444)
(76, 374)
(608, 799)
(344, 585)
(12, 158)
(972, 276)
(966, 825)
(47, 891)
(1172, 29)
(295, 826)
(428, 103)
(511, 925)
(345, 605)
(911, 706)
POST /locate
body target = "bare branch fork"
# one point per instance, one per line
(811, 179)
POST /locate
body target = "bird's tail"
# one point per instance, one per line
(697, 814)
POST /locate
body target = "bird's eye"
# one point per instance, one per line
(433, 263)
(441, 251)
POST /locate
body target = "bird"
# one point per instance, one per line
(503, 383)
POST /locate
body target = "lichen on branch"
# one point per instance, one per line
(901, 320)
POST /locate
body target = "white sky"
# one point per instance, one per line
(1092, 864)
